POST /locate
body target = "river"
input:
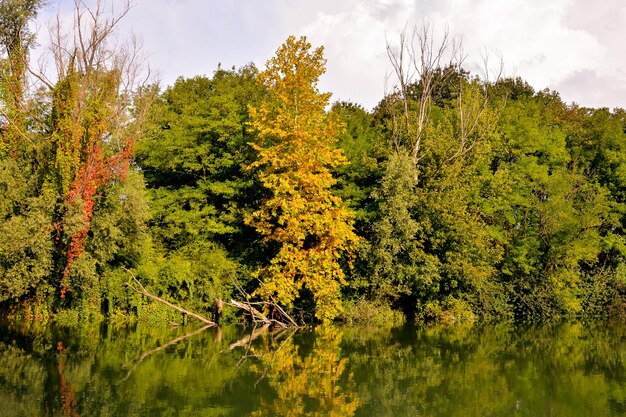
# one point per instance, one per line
(572, 369)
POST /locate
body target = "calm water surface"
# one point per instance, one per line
(565, 370)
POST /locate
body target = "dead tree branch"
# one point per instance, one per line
(140, 289)
(424, 63)
(284, 320)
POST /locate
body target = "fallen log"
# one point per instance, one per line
(141, 290)
(259, 317)
(256, 314)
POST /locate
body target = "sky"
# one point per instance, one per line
(575, 47)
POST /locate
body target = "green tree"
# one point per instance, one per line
(193, 163)
(69, 197)
(15, 42)
(433, 249)
(26, 247)
(549, 213)
(361, 144)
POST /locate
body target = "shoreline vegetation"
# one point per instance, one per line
(457, 199)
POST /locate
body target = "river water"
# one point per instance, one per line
(558, 370)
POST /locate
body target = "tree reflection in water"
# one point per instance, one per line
(66, 390)
(572, 370)
(313, 383)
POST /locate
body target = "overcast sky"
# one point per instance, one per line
(573, 46)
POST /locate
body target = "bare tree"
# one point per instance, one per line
(416, 61)
(422, 62)
(91, 50)
(471, 113)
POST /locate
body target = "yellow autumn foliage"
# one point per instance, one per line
(296, 154)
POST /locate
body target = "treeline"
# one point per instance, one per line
(455, 199)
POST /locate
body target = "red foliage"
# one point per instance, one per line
(95, 173)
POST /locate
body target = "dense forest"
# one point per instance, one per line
(456, 199)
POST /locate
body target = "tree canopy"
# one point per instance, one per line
(456, 199)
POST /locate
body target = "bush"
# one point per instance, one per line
(447, 312)
(371, 313)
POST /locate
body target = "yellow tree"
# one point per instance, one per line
(311, 226)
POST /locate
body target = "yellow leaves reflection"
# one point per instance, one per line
(313, 383)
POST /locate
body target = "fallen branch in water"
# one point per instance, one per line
(279, 316)
(254, 313)
(257, 317)
(141, 290)
(256, 332)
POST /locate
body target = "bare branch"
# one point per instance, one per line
(139, 288)
(470, 125)
(432, 59)
(419, 62)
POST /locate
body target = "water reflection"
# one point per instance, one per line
(67, 396)
(307, 380)
(567, 370)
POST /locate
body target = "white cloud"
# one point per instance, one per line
(536, 39)
(355, 47)
(571, 45)
(531, 36)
